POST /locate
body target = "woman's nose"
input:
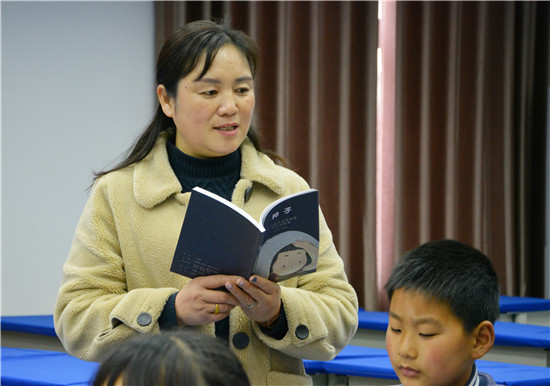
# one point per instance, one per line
(228, 105)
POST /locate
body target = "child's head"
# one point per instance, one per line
(179, 357)
(288, 260)
(443, 303)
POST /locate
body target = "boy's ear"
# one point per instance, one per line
(484, 338)
(166, 102)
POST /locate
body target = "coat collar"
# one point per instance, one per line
(258, 167)
(155, 181)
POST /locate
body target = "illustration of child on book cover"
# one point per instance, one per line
(288, 254)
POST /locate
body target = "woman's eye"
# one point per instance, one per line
(395, 330)
(243, 90)
(209, 92)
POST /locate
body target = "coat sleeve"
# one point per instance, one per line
(94, 308)
(321, 309)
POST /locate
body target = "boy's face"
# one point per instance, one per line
(426, 343)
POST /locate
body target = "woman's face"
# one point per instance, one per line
(212, 114)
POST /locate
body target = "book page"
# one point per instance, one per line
(232, 206)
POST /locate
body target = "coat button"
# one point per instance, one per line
(240, 340)
(302, 332)
(144, 319)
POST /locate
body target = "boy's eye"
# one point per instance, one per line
(209, 92)
(242, 90)
(395, 330)
(426, 335)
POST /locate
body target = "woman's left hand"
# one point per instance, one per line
(260, 298)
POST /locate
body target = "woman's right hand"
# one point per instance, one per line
(196, 301)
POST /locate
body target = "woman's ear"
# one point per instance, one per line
(166, 101)
(484, 338)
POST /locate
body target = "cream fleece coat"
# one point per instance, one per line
(119, 268)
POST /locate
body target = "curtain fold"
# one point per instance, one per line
(467, 131)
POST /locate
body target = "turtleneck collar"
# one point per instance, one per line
(218, 175)
(192, 167)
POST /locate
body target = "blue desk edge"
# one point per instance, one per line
(34, 324)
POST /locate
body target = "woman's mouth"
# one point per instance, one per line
(228, 127)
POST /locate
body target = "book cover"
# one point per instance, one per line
(217, 237)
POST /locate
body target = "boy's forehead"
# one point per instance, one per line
(417, 305)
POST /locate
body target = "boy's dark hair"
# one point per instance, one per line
(177, 357)
(453, 273)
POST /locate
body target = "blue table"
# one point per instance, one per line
(33, 324)
(523, 304)
(514, 342)
(358, 362)
(40, 367)
(34, 332)
(525, 310)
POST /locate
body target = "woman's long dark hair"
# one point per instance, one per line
(179, 55)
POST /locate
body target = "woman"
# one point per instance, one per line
(117, 280)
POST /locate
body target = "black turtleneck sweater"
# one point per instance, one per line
(217, 175)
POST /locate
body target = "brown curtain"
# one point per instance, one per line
(470, 105)
(471, 89)
(315, 105)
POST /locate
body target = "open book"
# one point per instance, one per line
(218, 237)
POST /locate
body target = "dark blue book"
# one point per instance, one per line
(218, 237)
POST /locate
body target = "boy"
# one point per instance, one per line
(443, 303)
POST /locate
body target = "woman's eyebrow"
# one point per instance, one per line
(217, 81)
(207, 80)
